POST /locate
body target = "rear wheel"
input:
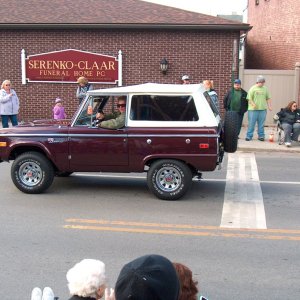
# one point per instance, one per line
(169, 179)
(231, 131)
(32, 173)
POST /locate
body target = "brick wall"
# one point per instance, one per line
(274, 41)
(201, 54)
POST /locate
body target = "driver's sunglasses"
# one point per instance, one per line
(121, 105)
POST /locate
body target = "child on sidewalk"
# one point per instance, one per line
(59, 110)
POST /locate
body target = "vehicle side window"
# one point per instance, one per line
(163, 108)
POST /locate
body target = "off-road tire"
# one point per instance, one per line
(231, 131)
(169, 179)
(32, 173)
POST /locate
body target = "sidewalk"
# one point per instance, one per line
(266, 146)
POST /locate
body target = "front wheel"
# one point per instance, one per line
(169, 179)
(32, 173)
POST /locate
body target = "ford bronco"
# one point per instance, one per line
(171, 132)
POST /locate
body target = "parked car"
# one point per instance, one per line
(171, 132)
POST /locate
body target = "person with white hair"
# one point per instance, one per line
(86, 280)
(9, 104)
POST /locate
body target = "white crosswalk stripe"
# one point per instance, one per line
(243, 201)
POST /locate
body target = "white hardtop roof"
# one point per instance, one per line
(150, 88)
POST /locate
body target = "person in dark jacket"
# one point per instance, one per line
(289, 118)
(236, 100)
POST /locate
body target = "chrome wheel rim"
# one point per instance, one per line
(30, 174)
(168, 179)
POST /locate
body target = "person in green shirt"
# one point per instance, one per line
(114, 123)
(259, 100)
(236, 100)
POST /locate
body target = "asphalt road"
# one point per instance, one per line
(115, 219)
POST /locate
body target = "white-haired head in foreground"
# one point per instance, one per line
(87, 278)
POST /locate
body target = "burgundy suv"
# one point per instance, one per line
(172, 132)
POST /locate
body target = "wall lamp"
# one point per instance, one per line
(164, 65)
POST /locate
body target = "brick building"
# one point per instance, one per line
(205, 47)
(274, 41)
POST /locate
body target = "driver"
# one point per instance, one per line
(117, 122)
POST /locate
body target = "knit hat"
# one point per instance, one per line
(146, 278)
(260, 79)
(238, 81)
(57, 100)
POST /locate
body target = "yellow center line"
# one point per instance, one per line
(180, 226)
(186, 233)
(174, 229)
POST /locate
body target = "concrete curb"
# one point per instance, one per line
(257, 146)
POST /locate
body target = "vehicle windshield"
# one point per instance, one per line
(94, 105)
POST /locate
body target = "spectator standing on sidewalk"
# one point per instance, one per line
(9, 104)
(236, 100)
(209, 86)
(185, 79)
(259, 100)
(83, 87)
(59, 110)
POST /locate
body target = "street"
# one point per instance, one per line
(242, 249)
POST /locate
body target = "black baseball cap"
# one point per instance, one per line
(149, 277)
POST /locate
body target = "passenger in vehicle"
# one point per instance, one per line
(289, 118)
(117, 122)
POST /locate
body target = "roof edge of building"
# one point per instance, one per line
(242, 26)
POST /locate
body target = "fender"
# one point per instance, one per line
(32, 144)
